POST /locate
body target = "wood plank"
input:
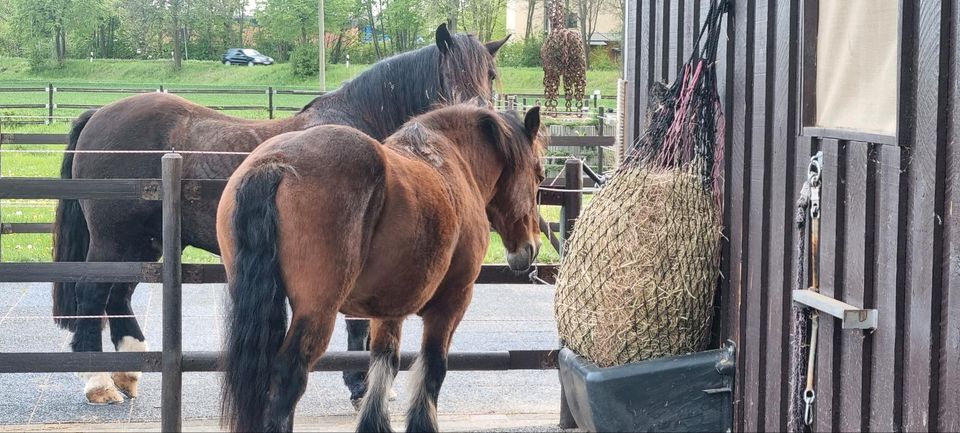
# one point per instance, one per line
(88, 272)
(113, 189)
(584, 141)
(19, 228)
(690, 26)
(949, 386)
(675, 39)
(758, 192)
(34, 138)
(854, 373)
(737, 192)
(831, 271)
(924, 245)
(886, 376)
(633, 63)
(657, 38)
(781, 244)
(847, 134)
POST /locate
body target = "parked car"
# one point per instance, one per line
(245, 56)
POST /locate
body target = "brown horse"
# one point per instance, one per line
(333, 221)
(378, 102)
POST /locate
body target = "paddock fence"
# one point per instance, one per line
(46, 104)
(171, 362)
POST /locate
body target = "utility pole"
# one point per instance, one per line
(322, 42)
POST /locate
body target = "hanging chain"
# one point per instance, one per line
(814, 181)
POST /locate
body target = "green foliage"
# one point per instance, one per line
(304, 61)
(39, 56)
(600, 59)
(521, 54)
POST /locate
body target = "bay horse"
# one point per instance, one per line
(333, 221)
(377, 102)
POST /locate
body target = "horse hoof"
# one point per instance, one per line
(99, 389)
(126, 382)
(104, 395)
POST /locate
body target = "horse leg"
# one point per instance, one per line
(384, 365)
(358, 339)
(126, 334)
(91, 301)
(304, 344)
(440, 319)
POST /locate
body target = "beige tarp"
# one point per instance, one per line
(857, 65)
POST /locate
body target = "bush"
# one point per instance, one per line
(530, 56)
(305, 60)
(38, 56)
(521, 54)
(600, 60)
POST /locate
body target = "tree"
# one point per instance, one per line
(46, 22)
(481, 16)
(294, 20)
(531, 9)
(589, 13)
(177, 32)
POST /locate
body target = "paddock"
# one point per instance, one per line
(183, 303)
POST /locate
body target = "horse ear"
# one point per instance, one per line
(444, 40)
(492, 127)
(531, 122)
(494, 46)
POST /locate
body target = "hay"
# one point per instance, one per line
(639, 277)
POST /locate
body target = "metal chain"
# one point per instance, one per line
(813, 178)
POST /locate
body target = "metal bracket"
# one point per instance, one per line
(850, 316)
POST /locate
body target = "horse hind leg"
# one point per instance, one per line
(440, 320)
(384, 365)
(304, 344)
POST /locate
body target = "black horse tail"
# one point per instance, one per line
(256, 310)
(70, 235)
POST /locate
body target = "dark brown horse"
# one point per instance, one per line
(333, 221)
(377, 102)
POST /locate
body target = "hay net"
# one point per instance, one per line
(639, 274)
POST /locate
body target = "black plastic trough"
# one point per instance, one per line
(680, 393)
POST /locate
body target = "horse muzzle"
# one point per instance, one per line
(521, 259)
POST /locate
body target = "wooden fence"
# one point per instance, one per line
(171, 362)
(592, 103)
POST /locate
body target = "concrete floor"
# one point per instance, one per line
(502, 317)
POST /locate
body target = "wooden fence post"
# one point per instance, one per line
(270, 100)
(49, 103)
(569, 212)
(171, 365)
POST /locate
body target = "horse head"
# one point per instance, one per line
(513, 211)
(467, 66)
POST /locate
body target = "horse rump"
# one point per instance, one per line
(70, 235)
(256, 310)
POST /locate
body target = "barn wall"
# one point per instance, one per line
(890, 235)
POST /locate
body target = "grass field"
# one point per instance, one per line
(195, 74)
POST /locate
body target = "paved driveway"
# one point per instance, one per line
(501, 317)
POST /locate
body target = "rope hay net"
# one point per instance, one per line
(639, 274)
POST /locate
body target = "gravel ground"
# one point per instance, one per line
(501, 317)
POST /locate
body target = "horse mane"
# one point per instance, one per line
(506, 132)
(406, 84)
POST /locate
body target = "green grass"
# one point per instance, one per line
(195, 74)
(37, 247)
(208, 73)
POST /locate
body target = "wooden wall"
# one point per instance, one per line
(890, 233)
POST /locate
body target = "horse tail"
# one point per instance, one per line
(257, 315)
(70, 234)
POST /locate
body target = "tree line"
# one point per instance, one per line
(50, 31)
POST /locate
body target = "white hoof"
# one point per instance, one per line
(128, 381)
(100, 389)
